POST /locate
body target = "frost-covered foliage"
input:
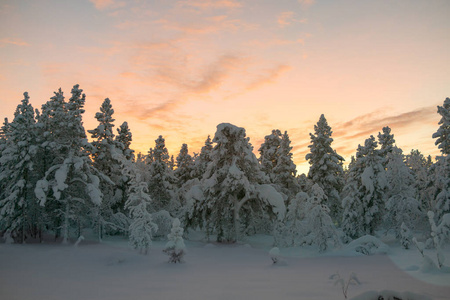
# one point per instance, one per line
(441, 178)
(318, 228)
(142, 228)
(420, 168)
(386, 141)
(276, 161)
(439, 234)
(326, 166)
(69, 189)
(443, 133)
(184, 171)
(107, 159)
(175, 247)
(364, 192)
(123, 141)
(161, 181)
(233, 184)
(405, 236)
(19, 210)
(203, 159)
(163, 220)
(401, 205)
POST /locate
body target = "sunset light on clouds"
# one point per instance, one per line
(179, 68)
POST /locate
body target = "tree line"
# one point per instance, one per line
(54, 182)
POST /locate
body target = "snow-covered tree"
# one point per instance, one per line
(386, 141)
(161, 181)
(443, 133)
(19, 210)
(269, 153)
(401, 205)
(284, 171)
(142, 228)
(364, 192)
(107, 159)
(233, 184)
(70, 185)
(441, 180)
(184, 164)
(123, 141)
(175, 247)
(419, 166)
(318, 227)
(326, 166)
(203, 159)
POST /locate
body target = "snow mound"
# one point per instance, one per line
(368, 245)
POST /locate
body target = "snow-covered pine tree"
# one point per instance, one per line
(123, 141)
(418, 164)
(175, 247)
(284, 171)
(142, 228)
(442, 165)
(364, 191)
(233, 184)
(106, 157)
(386, 141)
(70, 185)
(401, 205)
(161, 181)
(185, 165)
(326, 166)
(269, 153)
(203, 159)
(318, 227)
(19, 210)
(443, 133)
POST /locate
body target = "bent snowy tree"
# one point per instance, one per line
(233, 183)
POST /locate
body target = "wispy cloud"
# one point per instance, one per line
(306, 3)
(268, 76)
(11, 41)
(288, 17)
(107, 4)
(210, 4)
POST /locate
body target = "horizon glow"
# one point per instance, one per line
(178, 68)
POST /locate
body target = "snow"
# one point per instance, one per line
(268, 193)
(113, 270)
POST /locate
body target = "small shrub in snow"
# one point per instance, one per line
(175, 247)
(344, 284)
(274, 254)
(406, 236)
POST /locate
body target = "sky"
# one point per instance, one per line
(178, 68)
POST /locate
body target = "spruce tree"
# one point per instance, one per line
(70, 186)
(233, 184)
(123, 141)
(203, 159)
(443, 133)
(284, 171)
(161, 181)
(364, 192)
(19, 210)
(401, 204)
(269, 153)
(326, 166)
(183, 172)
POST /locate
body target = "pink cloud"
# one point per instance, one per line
(15, 42)
(288, 17)
(210, 4)
(107, 4)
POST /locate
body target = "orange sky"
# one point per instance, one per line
(180, 67)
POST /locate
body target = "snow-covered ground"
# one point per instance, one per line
(112, 270)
